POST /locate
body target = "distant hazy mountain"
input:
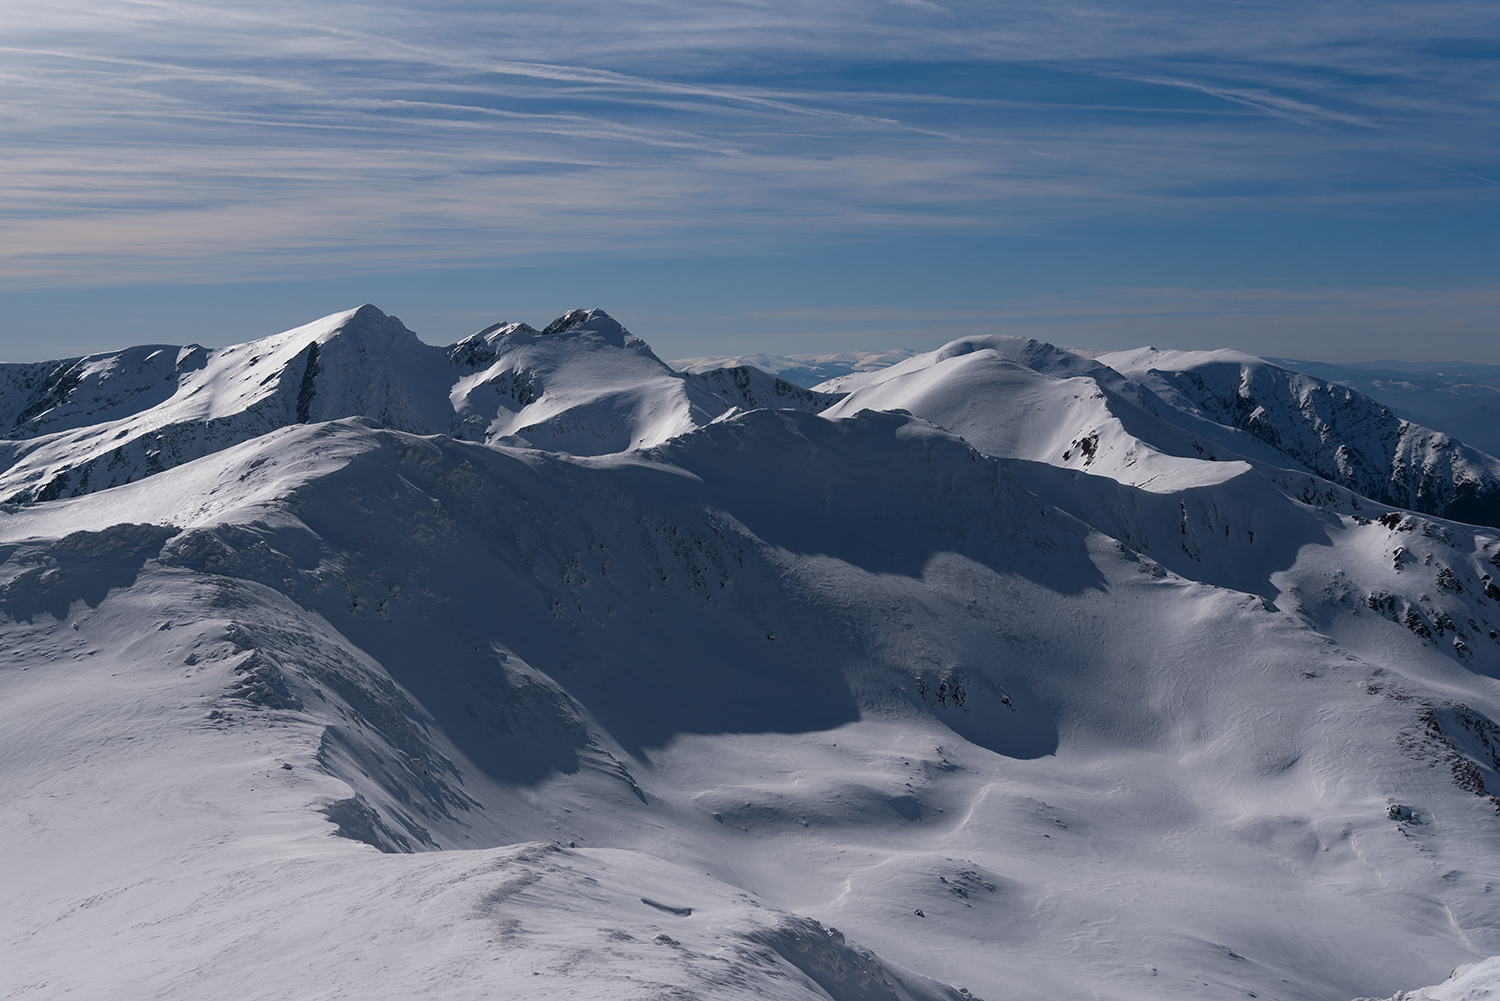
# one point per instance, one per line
(801, 370)
(338, 664)
(751, 388)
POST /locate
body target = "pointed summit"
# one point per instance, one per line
(367, 324)
(569, 320)
(591, 321)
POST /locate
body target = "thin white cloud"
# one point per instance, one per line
(255, 137)
(924, 6)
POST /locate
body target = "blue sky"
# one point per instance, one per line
(1301, 179)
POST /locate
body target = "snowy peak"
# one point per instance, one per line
(579, 329)
(1039, 356)
(583, 385)
(1331, 430)
(361, 363)
(1172, 420)
(1025, 352)
(1013, 397)
(567, 321)
(591, 322)
(478, 349)
(117, 418)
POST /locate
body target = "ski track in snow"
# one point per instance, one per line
(339, 665)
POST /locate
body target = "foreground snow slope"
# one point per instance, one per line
(656, 723)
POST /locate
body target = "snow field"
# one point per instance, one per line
(1135, 724)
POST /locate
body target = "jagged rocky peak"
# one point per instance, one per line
(495, 331)
(572, 318)
(480, 349)
(595, 322)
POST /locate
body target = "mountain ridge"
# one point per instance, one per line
(584, 384)
(1002, 671)
(1334, 431)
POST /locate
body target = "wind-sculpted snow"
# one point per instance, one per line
(778, 704)
(1328, 429)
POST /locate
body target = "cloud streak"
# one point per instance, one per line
(223, 140)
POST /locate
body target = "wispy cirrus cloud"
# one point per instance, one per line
(216, 140)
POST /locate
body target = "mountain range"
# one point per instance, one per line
(338, 663)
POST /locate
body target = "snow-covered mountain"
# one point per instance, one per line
(1472, 982)
(1329, 429)
(1461, 399)
(584, 385)
(1147, 417)
(1003, 676)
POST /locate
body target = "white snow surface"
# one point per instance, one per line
(916, 698)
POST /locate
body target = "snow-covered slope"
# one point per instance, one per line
(1461, 399)
(1329, 429)
(783, 705)
(583, 385)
